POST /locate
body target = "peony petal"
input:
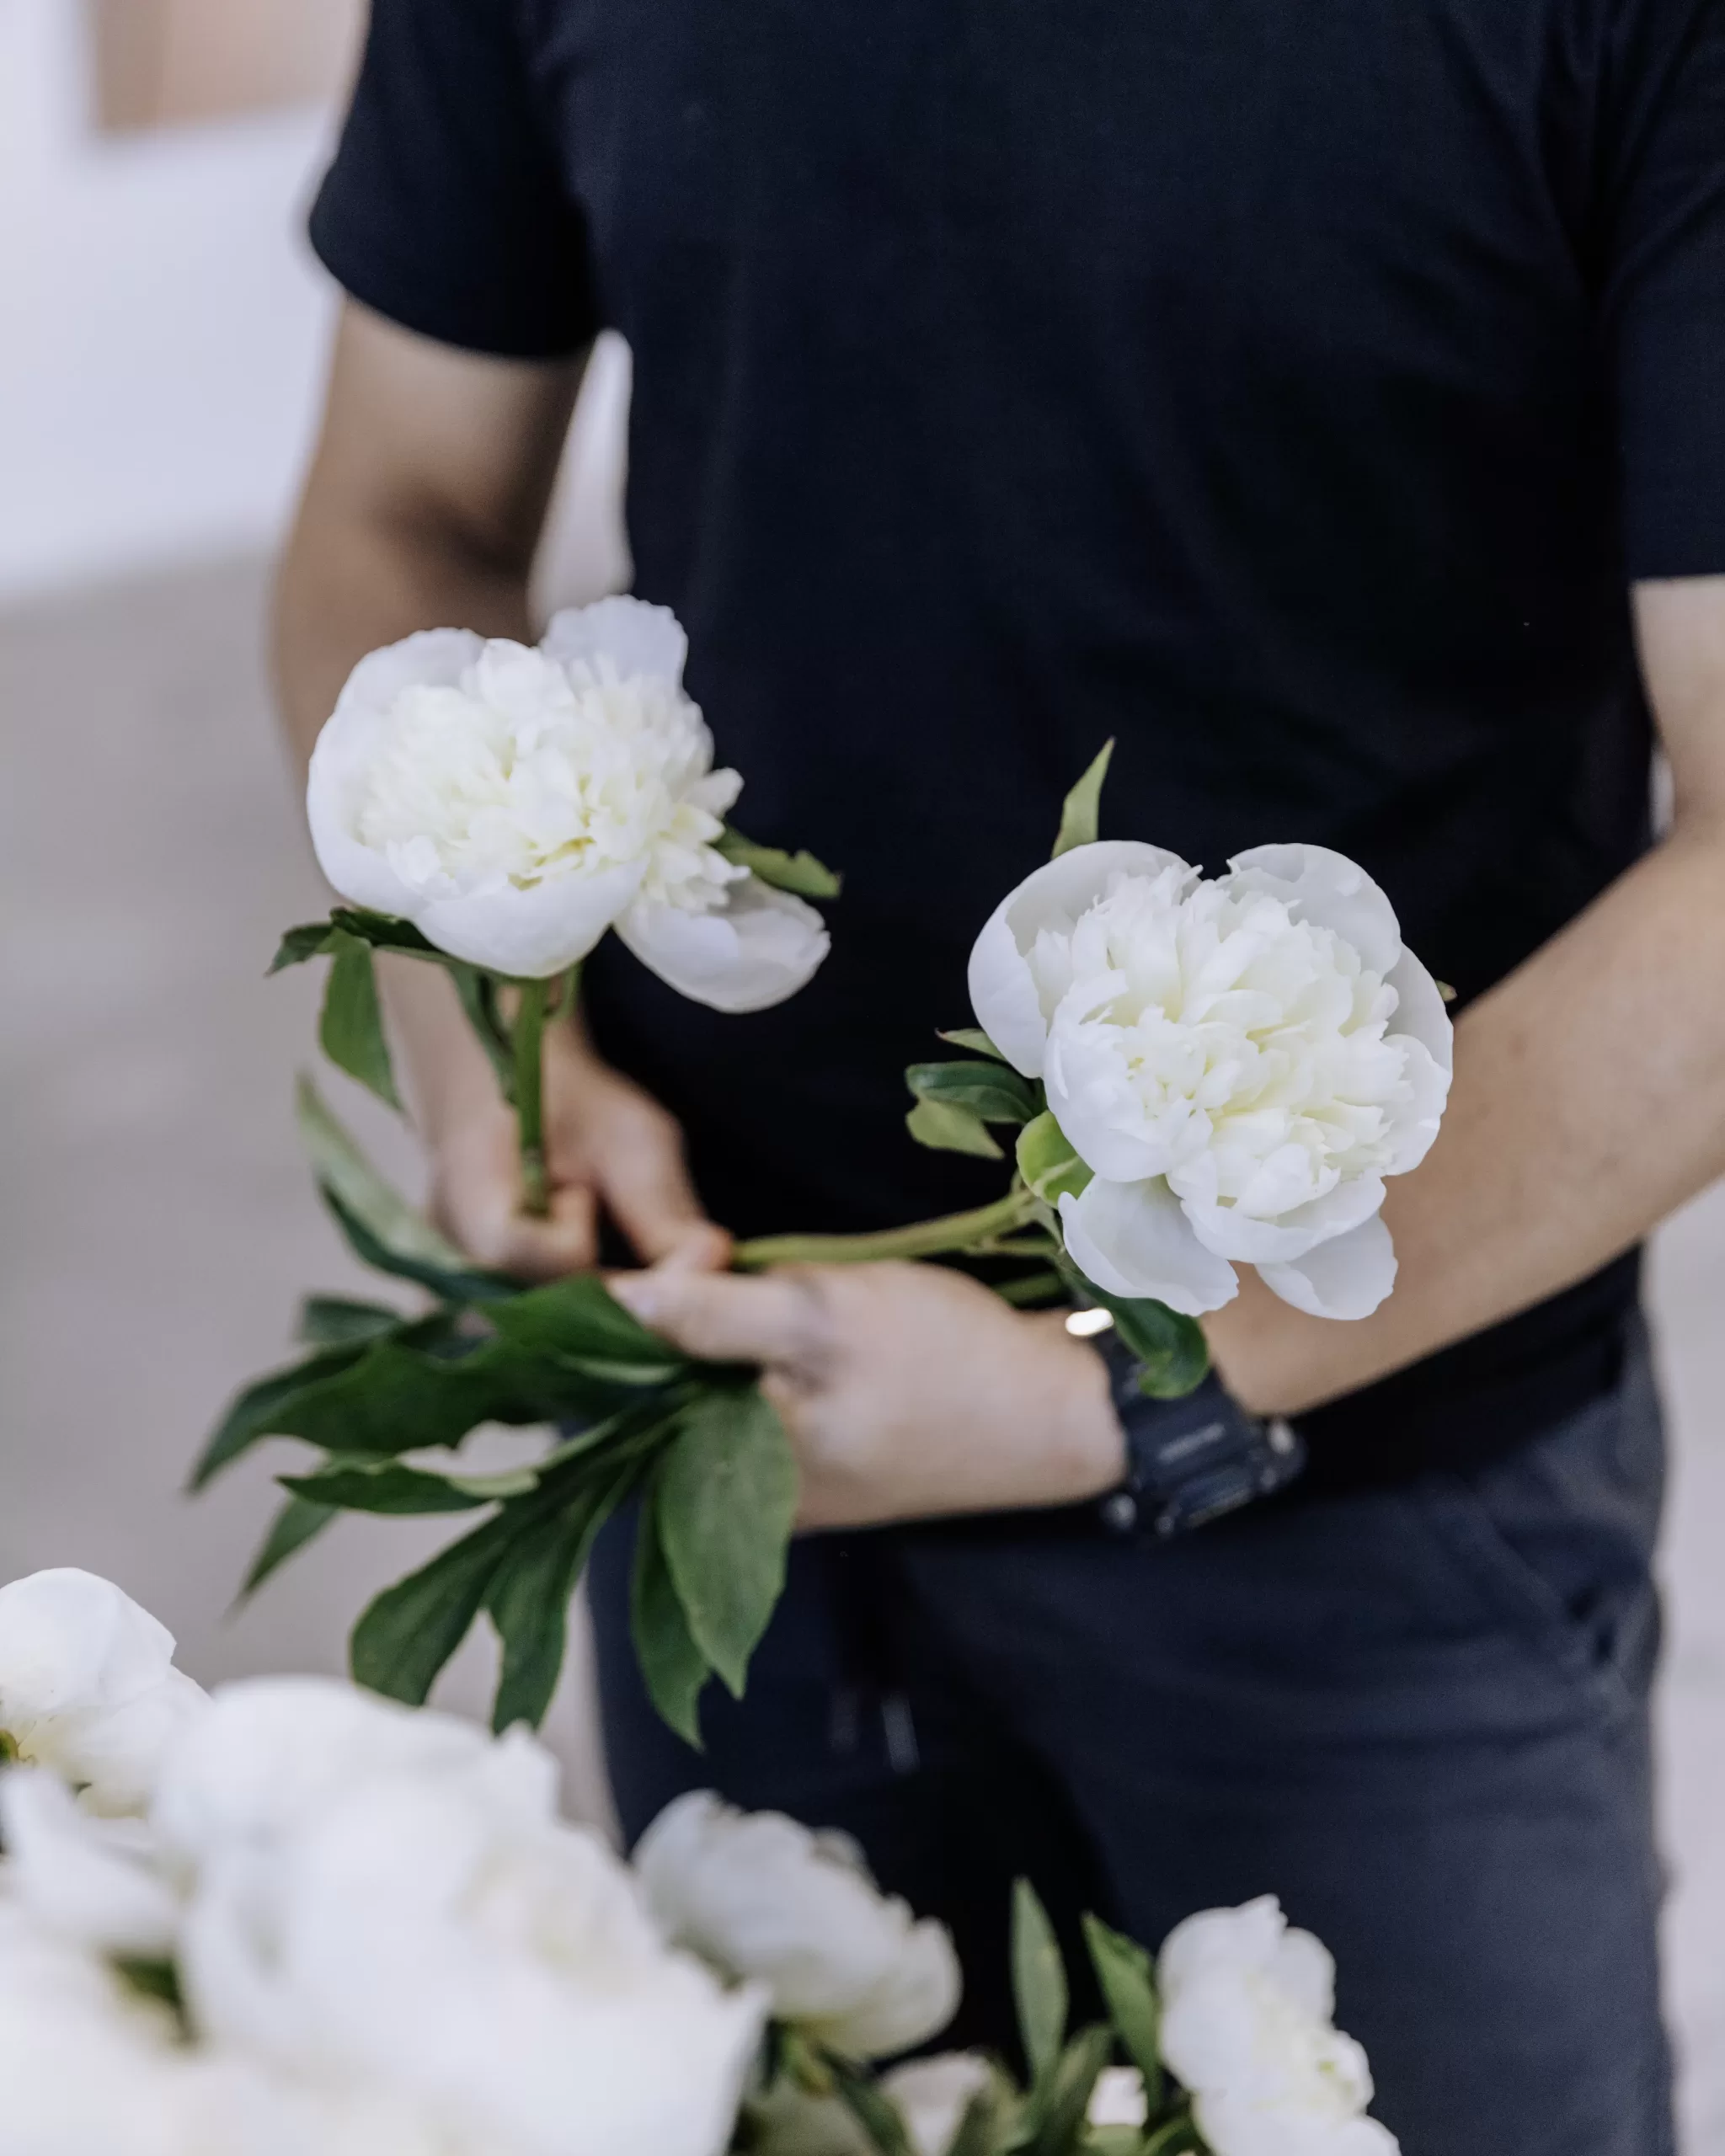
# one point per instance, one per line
(913, 2000)
(755, 951)
(530, 935)
(1346, 1277)
(637, 638)
(1330, 891)
(1247, 1240)
(432, 658)
(87, 1880)
(1420, 1010)
(1100, 1111)
(1417, 1122)
(1003, 991)
(1133, 1239)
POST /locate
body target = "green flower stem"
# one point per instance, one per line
(957, 1231)
(527, 1038)
(1177, 2137)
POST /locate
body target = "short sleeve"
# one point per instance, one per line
(1665, 296)
(445, 209)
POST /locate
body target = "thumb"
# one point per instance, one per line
(723, 1317)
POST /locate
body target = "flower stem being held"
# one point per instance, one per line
(528, 1038)
(978, 1228)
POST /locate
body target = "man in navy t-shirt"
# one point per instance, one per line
(1329, 405)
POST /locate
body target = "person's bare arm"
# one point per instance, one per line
(422, 510)
(1589, 1093)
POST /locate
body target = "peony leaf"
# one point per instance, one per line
(409, 1632)
(1061, 2101)
(478, 994)
(800, 873)
(727, 1496)
(383, 1228)
(1127, 1975)
(252, 1414)
(974, 1038)
(1047, 1161)
(673, 1666)
(1038, 1981)
(1172, 1349)
(991, 1090)
(362, 1486)
(873, 2109)
(528, 1598)
(309, 941)
(336, 1321)
(579, 1320)
(293, 1526)
(350, 1031)
(990, 2125)
(1081, 811)
(947, 1129)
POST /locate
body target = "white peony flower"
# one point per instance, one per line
(87, 1687)
(515, 802)
(1118, 2098)
(931, 2096)
(1240, 1063)
(758, 1896)
(87, 1878)
(1246, 2026)
(495, 1970)
(273, 1753)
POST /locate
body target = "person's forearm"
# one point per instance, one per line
(1588, 1101)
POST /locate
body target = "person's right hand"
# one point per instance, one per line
(610, 1149)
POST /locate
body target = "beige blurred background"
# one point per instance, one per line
(162, 330)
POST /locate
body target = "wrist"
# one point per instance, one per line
(1093, 1440)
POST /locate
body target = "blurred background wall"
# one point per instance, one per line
(162, 338)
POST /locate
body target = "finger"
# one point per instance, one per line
(646, 1188)
(723, 1317)
(488, 1225)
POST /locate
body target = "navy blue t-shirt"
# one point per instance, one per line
(1292, 394)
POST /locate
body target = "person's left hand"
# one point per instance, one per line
(908, 1391)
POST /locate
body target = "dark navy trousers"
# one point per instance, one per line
(1417, 1713)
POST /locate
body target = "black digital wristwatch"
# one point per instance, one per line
(1189, 1460)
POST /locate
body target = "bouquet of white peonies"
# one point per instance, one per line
(294, 1919)
(1200, 1073)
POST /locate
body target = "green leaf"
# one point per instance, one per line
(335, 1322)
(580, 1321)
(1178, 2137)
(253, 1414)
(991, 2124)
(350, 1031)
(309, 941)
(672, 1665)
(1081, 810)
(1038, 1981)
(1032, 1290)
(727, 1496)
(974, 1038)
(1047, 1161)
(529, 1598)
(1063, 2098)
(1127, 1975)
(875, 2112)
(387, 1488)
(946, 1130)
(293, 1526)
(1172, 1349)
(800, 873)
(383, 1228)
(411, 1629)
(992, 1090)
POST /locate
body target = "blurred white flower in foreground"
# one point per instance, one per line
(1240, 1063)
(932, 2095)
(758, 1896)
(1247, 2005)
(87, 1687)
(89, 1880)
(408, 1915)
(515, 802)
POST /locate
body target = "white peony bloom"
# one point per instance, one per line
(495, 1970)
(931, 2096)
(87, 1687)
(1239, 1062)
(274, 1751)
(1246, 2026)
(515, 802)
(1118, 2098)
(87, 1878)
(758, 1896)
